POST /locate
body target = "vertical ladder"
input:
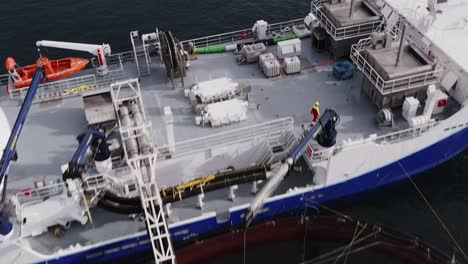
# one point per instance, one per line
(142, 163)
(141, 54)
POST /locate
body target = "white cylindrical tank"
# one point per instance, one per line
(139, 121)
(131, 144)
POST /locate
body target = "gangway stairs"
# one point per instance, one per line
(141, 158)
(140, 52)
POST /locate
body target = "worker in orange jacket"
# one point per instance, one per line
(315, 112)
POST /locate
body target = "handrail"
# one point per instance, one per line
(4, 79)
(324, 154)
(395, 85)
(120, 58)
(410, 132)
(346, 32)
(69, 87)
(271, 129)
(238, 34)
(95, 182)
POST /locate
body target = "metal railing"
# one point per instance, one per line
(70, 87)
(33, 195)
(394, 137)
(263, 154)
(341, 33)
(268, 130)
(405, 134)
(395, 85)
(4, 78)
(95, 183)
(230, 37)
(121, 58)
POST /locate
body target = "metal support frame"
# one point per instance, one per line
(143, 168)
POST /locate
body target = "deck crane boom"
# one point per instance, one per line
(96, 138)
(10, 150)
(100, 51)
(323, 131)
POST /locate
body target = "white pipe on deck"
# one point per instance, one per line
(267, 190)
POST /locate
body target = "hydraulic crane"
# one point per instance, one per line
(325, 134)
(10, 150)
(95, 138)
(100, 51)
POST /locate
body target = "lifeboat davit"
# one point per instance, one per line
(54, 69)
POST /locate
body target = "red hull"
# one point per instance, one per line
(400, 245)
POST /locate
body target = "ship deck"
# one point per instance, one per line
(273, 98)
(49, 137)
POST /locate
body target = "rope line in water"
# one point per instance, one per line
(454, 240)
(347, 217)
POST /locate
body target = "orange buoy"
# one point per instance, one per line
(10, 64)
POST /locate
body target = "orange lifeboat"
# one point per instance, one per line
(54, 69)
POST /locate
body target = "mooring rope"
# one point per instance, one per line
(454, 240)
(348, 247)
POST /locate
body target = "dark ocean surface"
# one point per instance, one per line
(24, 22)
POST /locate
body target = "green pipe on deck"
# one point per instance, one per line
(210, 50)
(276, 40)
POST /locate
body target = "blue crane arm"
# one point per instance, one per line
(328, 119)
(19, 123)
(77, 164)
(91, 136)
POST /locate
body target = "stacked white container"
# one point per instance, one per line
(289, 48)
(269, 65)
(292, 65)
